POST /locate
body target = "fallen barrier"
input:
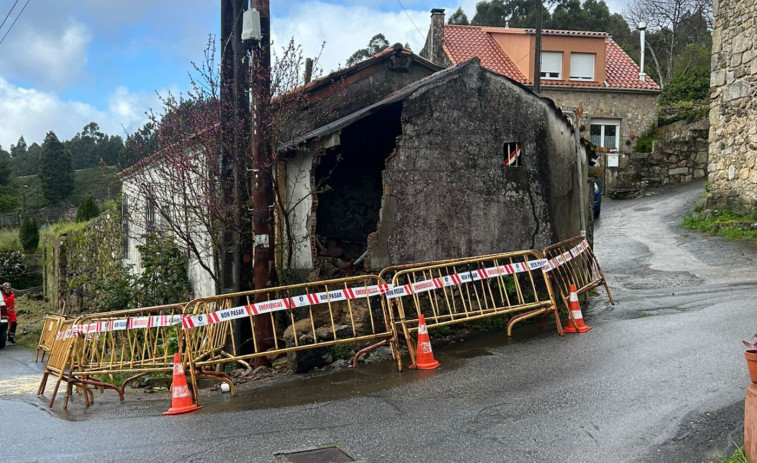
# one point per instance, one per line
(110, 350)
(298, 317)
(572, 262)
(470, 289)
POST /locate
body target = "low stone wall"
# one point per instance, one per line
(75, 259)
(679, 156)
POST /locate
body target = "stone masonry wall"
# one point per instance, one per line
(637, 113)
(733, 108)
(86, 253)
(679, 156)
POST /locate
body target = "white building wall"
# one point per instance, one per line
(299, 200)
(200, 279)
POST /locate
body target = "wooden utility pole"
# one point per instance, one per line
(262, 173)
(235, 133)
(537, 48)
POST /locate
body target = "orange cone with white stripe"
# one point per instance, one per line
(181, 400)
(424, 357)
(576, 322)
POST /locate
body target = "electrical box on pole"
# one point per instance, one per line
(251, 29)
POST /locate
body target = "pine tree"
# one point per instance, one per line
(55, 171)
(28, 234)
(87, 209)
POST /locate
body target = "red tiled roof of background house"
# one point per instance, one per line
(623, 72)
(568, 33)
(462, 43)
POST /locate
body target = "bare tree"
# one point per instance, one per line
(671, 25)
(179, 187)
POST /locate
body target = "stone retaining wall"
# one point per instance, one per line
(679, 156)
(733, 108)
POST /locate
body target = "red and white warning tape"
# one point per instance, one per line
(566, 257)
(311, 299)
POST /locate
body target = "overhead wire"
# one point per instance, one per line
(14, 22)
(9, 14)
(411, 20)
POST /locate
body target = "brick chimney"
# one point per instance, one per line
(433, 50)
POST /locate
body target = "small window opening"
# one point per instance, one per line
(512, 154)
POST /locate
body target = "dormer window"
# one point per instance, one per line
(582, 66)
(551, 65)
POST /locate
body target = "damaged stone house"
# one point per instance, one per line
(581, 71)
(416, 163)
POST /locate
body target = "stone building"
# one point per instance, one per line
(463, 162)
(394, 161)
(733, 108)
(580, 70)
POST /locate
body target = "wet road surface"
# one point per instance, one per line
(659, 378)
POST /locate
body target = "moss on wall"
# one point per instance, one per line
(75, 255)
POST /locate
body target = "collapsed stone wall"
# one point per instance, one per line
(733, 108)
(76, 258)
(447, 192)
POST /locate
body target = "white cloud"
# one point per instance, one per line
(51, 58)
(32, 113)
(347, 29)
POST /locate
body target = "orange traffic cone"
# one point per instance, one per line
(576, 321)
(424, 357)
(181, 400)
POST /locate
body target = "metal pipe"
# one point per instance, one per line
(362, 352)
(642, 31)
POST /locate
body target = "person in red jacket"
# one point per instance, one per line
(9, 297)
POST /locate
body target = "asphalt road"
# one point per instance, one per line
(660, 378)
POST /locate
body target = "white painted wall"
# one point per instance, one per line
(200, 279)
(299, 200)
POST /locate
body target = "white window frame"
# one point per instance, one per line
(548, 57)
(578, 62)
(603, 123)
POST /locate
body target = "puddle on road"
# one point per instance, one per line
(294, 390)
(365, 380)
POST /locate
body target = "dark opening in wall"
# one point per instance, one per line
(349, 179)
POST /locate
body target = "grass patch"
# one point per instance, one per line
(9, 240)
(723, 222)
(31, 313)
(737, 457)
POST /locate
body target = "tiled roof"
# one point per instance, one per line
(622, 72)
(462, 43)
(568, 33)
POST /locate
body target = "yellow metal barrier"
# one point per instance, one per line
(574, 263)
(463, 290)
(304, 316)
(112, 349)
(50, 326)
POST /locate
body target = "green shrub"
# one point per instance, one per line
(28, 234)
(88, 209)
(164, 279)
(113, 290)
(645, 141)
(13, 268)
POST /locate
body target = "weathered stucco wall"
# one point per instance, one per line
(637, 112)
(79, 257)
(447, 192)
(733, 108)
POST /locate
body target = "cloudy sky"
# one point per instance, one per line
(66, 63)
